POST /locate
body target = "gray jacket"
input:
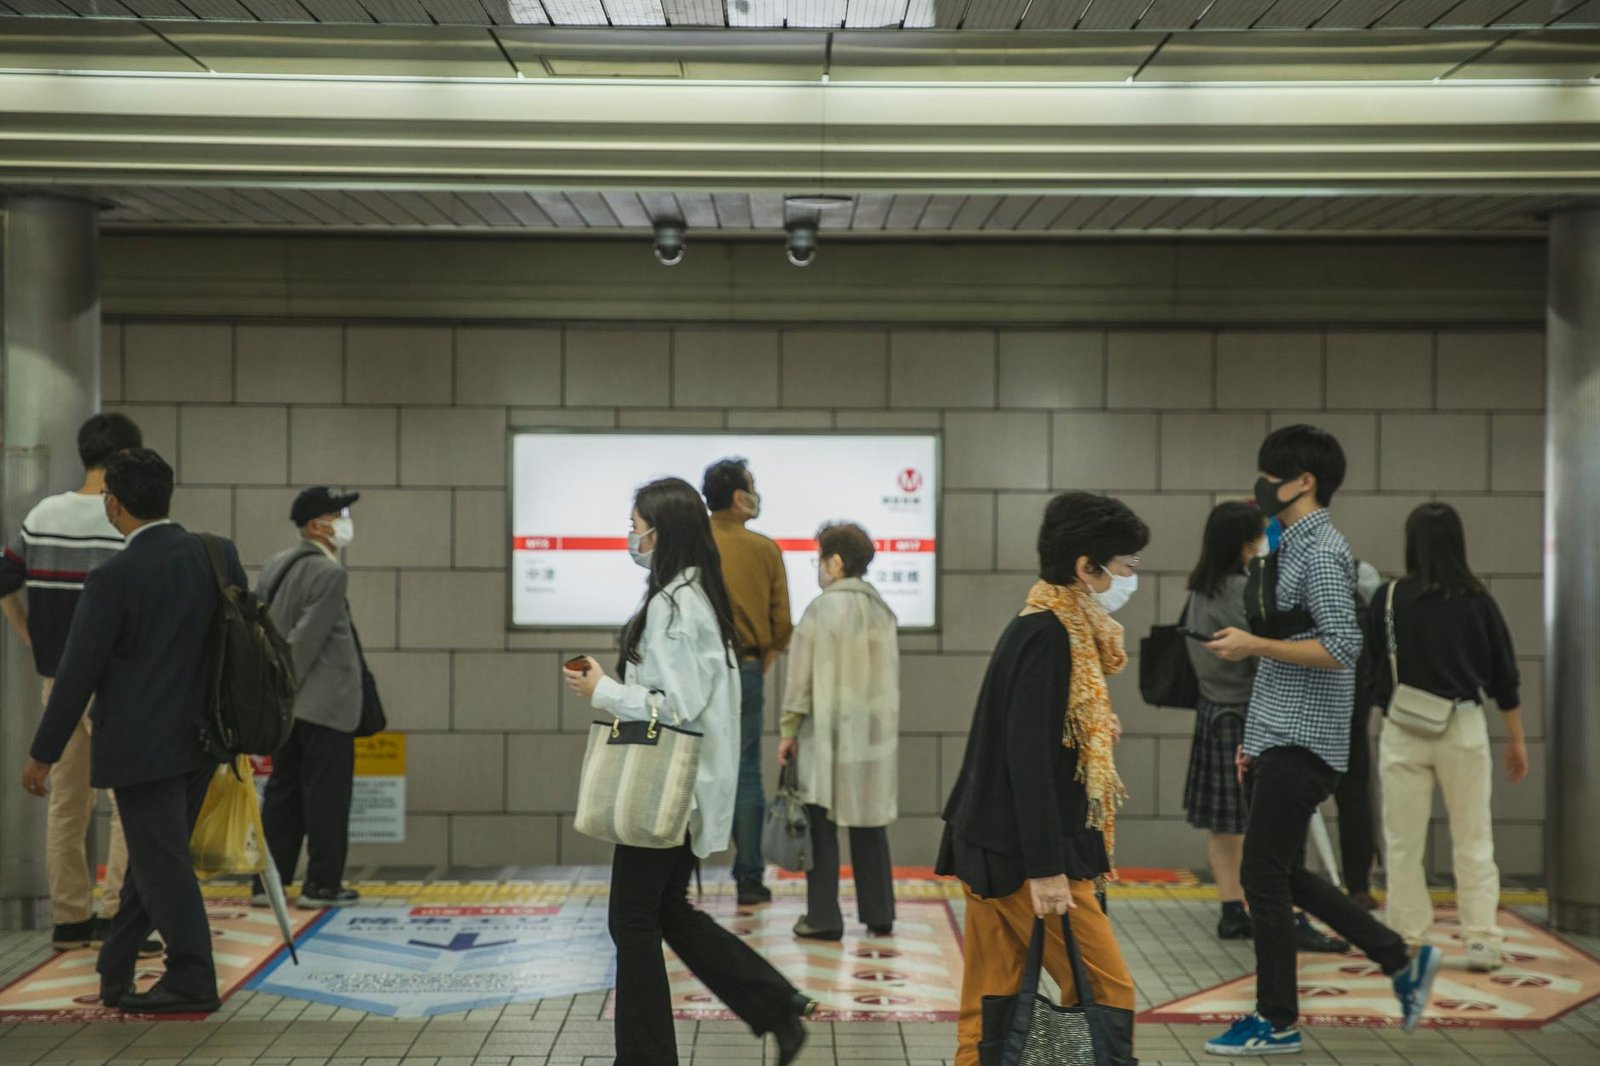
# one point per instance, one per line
(1221, 682)
(314, 617)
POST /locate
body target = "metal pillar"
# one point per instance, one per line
(1572, 572)
(50, 382)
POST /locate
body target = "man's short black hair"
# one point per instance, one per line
(1081, 523)
(1302, 449)
(142, 482)
(724, 478)
(105, 435)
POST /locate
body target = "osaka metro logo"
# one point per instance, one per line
(910, 479)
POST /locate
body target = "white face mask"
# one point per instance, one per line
(1121, 591)
(755, 506)
(343, 532)
(641, 558)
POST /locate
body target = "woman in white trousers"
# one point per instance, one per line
(1439, 631)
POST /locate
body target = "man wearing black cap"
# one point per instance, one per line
(308, 795)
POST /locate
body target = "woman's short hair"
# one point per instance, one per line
(850, 543)
(1081, 523)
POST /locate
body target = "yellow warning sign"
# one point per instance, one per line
(383, 755)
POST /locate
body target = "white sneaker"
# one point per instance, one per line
(1482, 956)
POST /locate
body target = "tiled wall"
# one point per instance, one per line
(414, 415)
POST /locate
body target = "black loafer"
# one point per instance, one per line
(753, 893)
(111, 992)
(881, 930)
(805, 931)
(165, 1001)
(791, 1034)
(1308, 938)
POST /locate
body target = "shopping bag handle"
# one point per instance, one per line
(1080, 973)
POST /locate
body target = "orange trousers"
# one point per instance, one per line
(997, 935)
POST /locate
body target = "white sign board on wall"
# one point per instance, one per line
(572, 496)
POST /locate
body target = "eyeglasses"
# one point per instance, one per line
(1130, 561)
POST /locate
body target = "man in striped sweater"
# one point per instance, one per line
(41, 578)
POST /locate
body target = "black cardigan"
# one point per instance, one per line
(1015, 811)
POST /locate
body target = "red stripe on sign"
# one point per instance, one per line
(898, 545)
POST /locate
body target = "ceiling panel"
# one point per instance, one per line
(1054, 14)
(1536, 13)
(1355, 14)
(1293, 14)
(635, 12)
(47, 8)
(706, 54)
(456, 12)
(872, 14)
(434, 51)
(1233, 14)
(1539, 55)
(516, 12)
(1173, 14)
(95, 8)
(576, 12)
(994, 14)
(60, 44)
(398, 12)
(1238, 57)
(756, 13)
(338, 11)
(815, 14)
(1415, 14)
(1474, 13)
(1114, 14)
(278, 10)
(693, 12)
(877, 213)
(158, 9)
(905, 56)
(231, 10)
(1587, 14)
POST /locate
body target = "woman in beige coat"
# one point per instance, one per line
(841, 723)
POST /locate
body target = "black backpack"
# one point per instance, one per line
(1261, 603)
(250, 708)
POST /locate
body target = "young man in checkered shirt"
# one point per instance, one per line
(1297, 743)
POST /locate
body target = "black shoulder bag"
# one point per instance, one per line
(1261, 603)
(1166, 673)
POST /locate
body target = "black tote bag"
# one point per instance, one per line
(1166, 676)
(1028, 1030)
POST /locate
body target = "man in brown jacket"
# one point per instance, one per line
(758, 587)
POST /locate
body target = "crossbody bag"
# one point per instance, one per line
(1415, 710)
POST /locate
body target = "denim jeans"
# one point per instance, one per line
(750, 801)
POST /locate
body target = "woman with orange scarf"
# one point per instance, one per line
(1030, 826)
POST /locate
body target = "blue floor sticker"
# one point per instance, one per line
(414, 962)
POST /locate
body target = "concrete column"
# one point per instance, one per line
(50, 380)
(1572, 573)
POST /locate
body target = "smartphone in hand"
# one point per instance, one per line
(1204, 638)
(578, 663)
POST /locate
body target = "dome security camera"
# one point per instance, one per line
(801, 244)
(669, 241)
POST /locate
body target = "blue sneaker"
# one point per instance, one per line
(1254, 1035)
(1413, 986)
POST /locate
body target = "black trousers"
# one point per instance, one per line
(649, 904)
(160, 891)
(874, 874)
(1284, 786)
(1353, 794)
(308, 800)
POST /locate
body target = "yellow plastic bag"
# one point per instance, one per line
(227, 837)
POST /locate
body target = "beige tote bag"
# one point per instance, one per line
(638, 782)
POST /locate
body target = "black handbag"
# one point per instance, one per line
(373, 720)
(1028, 1030)
(1261, 603)
(1166, 674)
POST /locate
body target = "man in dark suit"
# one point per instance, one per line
(140, 644)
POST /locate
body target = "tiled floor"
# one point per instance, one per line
(1168, 942)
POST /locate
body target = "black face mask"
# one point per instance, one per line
(1267, 498)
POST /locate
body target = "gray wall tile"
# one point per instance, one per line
(177, 362)
(1269, 368)
(618, 367)
(261, 526)
(289, 364)
(1211, 451)
(427, 843)
(415, 686)
(1380, 369)
(204, 510)
(987, 602)
(1102, 451)
(1505, 534)
(1521, 601)
(1017, 518)
(967, 531)
(517, 693)
(725, 368)
(888, 420)
(398, 364)
(835, 367)
(653, 418)
(504, 839)
(1491, 369)
(942, 368)
(344, 446)
(938, 692)
(452, 609)
(448, 772)
(1156, 369)
(456, 447)
(502, 365)
(1052, 368)
(919, 776)
(996, 451)
(1516, 462)
(1434, 453)
(563, 418)
(374, 606)
(480, 528)
(763, 418)
(158, 425)
(1159, 842)
(544, 771)
(1375, 526)
(1176, 522)
(401, 528)
(1358, 436)
(1136, 765)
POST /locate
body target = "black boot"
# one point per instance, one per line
(791, 1033)
(1309, 938)
(1235, 923)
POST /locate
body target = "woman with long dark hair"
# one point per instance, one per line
(680, 653)
(1212, 795)
(1440, 631)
